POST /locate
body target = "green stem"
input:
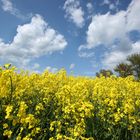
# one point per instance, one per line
(11, 89)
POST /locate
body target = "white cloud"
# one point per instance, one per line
(113, 58)
(107, 29)
(51, 69)
(89, 7)
(112, 6)
(103, 29)
(72, 66)
(8, 6)
(136, 47)
(86, 54)
(133, 22)
(106, 2)
(74, 12)
(33, 40)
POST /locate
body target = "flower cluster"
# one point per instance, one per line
(60, 107)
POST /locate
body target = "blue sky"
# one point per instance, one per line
(82, 36)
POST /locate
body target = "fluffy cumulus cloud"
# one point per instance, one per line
(112, 32)
(8, 6)
(132, 13)
(74, 12)
(104, 29)
(33, 40)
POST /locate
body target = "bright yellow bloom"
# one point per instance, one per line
(58, 106)
(5, 125)
(8, 110)
(7, 133)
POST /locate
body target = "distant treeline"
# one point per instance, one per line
(124, 69)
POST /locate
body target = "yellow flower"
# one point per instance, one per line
(8, 110)
(69, 104)
(38, 108)
(51, 138)
(18, 138)
(22, 109)
(30, 119)
(7, 133)
(117, 117)
(27, 137)
(59, 137)
(5, 125)
(52, 125)
(35, 131)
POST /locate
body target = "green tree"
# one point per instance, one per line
(124, 70)
(134, 60)
(105, 73)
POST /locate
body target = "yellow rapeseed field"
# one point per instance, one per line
(60, 107)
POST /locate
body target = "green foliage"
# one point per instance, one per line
(105, 73)
(134, 60)
(124, 70)
(130, 68)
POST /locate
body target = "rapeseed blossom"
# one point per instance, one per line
(61, 107)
